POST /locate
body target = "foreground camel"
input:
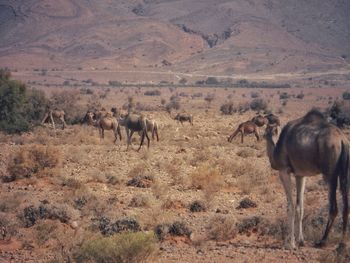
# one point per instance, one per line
(134, 123)
(104, 122)
(245, 128)
(182, 117)
(55, 114)
(309, 146)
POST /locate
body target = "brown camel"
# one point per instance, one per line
(245, 128)
(55, 114)
(134, 123)
(182, 117)
(260, 120)
(104, 122)
(272, 119)
(309, 146)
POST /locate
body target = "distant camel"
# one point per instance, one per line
(260, 120)
(245, 128)
(182, 117)
(134, 123)
(271, 119)
(54, 114)
(152, 127)
(104, 122)
(309, 146)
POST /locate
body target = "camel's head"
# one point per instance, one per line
(89, 117)
(271, 130)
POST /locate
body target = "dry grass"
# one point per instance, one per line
(221, 227)
(208, 179)
(35, 160)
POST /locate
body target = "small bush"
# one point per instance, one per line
(140, 200)
(152, 93)
(258, 105)
(284, 95)
(300, 96)
(142, 181)
(208, 179)
(35, 160)
(197, 206)
(346, 95)
(125, 247)
(228, 108)
(254, 94)
(221, 227)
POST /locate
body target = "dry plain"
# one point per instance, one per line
(189, 165)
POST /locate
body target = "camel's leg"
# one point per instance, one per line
(345, 196)
(333, 209)
(182, 123)
(233, 135)
(242, 133)
(53, 122)
(191, 121)
(155, 130)
(257, 135)
(287, 185)
(63, 122)
(119, 132)
(300, 184)
(142, 139)
(45, 117)
(148, 140)
(127, 137)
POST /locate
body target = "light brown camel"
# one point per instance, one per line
(134, 123)
(104, 121)
(309, 146)
(55, 114)
(182, 117)
(152, 127)
(245, 128)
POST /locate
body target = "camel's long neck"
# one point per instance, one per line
(270, 149)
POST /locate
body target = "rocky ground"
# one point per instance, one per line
(226, 197)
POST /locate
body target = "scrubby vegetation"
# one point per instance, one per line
(20, 108)
(123, 248)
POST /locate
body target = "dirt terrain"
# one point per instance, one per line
(190, 163)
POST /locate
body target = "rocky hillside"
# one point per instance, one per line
(219, 37)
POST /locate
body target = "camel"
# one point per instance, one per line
(244, 128)
(134, 123)
(272, 119)
(152, 127)
(54, 114)
(309, 146)
(182, 117)
(104, 122)
(259, 120)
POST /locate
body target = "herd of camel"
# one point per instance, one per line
(306, 146)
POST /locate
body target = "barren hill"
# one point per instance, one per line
(219, 37)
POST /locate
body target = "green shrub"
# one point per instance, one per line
(124, 247)
(20, 109)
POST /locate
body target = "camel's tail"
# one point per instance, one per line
(344, 179)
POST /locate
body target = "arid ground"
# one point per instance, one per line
(225, 195)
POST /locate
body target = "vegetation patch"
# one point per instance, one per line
(124, 247)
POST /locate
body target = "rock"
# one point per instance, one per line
(74, 225)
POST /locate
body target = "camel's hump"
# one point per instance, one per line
(314, 115)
